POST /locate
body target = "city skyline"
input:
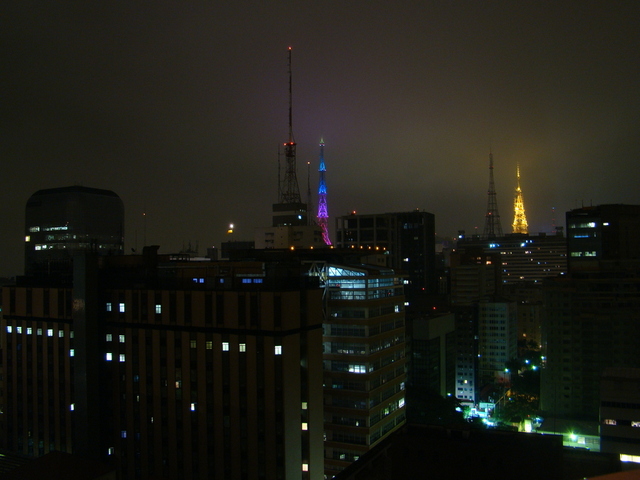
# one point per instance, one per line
(180, 110)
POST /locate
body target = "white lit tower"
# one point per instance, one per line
(289, 211)
(519, 218)
(492, 227)
(323, 214)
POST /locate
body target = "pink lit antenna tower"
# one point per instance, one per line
(323, 215)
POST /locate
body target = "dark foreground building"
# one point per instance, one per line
(167, 369)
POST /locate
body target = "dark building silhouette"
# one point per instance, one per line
(62, 221)
(591, 318)
(407, 238)
(167, 368)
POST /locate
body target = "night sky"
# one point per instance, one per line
(179, 108)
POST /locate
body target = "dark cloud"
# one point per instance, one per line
(179, 108)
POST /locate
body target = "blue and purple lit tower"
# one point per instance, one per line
(323, 214)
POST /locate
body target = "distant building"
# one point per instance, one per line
(433, 353)
(62, 221)
(498, 340)
(406, 238)
(524, 257)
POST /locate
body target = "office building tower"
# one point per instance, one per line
(407, 238)
(433, 353)
(167, 368)
(497, 339)
(364, 360)
(62, 221)
(604, 237)
(592, 315)
(524, 258)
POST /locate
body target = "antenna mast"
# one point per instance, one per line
(519, 218)
(492, 227)
(289, 191)
(323, 214)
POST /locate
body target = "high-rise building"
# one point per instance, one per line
(497, 338)
(364, 360)
(168, 369)
(524, 258)
(604, 237)
(592, 316)
(62, 221)
(406, 238)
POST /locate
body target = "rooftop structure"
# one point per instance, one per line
(62, 221)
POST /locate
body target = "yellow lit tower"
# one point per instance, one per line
(519, 218)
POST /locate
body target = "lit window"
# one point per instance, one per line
(39, 331)
(109, 356)
(123, 434)
(72, 352)
(29, 330)
(178, 383)
(50, 332)
(629, 458)
(305, 426)
(193, 407)
(9, 329)
(209, 345)
(27, 238)
(277, 349)
(357, 369)
(109, 337)
(71, 334)
(158, 309)
(246, 280)
(121, 338)
(610, 421)
(225, 346)
(72, 407)
(401, 403)
(257, 280)
(108, 306)
(304, 405)
(121, 307)
(122, 357)
(18, 329)
(110, 451)
(192, 344)
(305, 467)
(635, 423)
(242, 347)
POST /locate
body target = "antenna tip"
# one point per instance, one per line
(289, 48)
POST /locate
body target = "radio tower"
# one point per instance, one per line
(323, 215)
(289, 190)
(519, 218)
(492, 227)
